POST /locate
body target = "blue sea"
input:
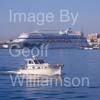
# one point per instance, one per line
(78, 65)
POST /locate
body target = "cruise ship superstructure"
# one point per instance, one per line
(53, 40)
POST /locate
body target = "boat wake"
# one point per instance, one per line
(32, 77)
(8, 72)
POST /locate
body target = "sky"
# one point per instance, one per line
(88, 18)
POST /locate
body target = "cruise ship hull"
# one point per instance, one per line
(49, 45)
(51, 41)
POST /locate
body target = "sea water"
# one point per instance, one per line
(80, 79)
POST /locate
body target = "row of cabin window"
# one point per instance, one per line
(40, 67)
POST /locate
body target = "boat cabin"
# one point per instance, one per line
(34, 61)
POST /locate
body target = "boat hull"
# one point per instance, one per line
(48, 71)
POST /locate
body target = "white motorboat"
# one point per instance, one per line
(38, 66)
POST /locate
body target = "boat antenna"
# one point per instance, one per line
(82, 32)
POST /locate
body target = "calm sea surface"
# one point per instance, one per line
(78, 64)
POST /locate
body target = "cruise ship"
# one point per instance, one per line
(56, 40)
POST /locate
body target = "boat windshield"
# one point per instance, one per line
(41, 61)
(38, 61)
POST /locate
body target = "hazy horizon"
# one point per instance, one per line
(87, 19)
